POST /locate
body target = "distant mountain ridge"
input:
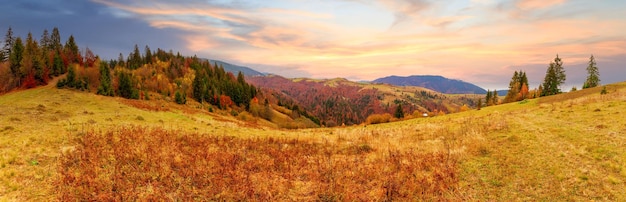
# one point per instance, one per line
(235, 69)
(436, 83)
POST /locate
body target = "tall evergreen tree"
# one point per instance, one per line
(55, 40)
(15, 59)
(488, 100)
(35, 62)
(105, 88)
(125, 87)
(71, 51)
(494, 97)
(593, 77)
(148, 57)
(44, 42)
(57, 65)
(198, 86)
(134, 59)
(555, 77)
(514, 86)
(8, 45)
(399, 113)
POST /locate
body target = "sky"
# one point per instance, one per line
(478, 41)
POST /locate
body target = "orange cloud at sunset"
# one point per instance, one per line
(368, 40)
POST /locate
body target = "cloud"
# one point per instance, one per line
(537, 4)
(480, 41)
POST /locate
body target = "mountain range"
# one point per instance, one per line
(436, 83)
(235, 69)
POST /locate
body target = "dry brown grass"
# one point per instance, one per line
(154, 164)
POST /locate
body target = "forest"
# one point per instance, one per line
(135, 76)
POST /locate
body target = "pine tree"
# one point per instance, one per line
(71, 51)
(480, 104)
(399, 113)
(15, 59)
(105, 88)
(488, 100)
(8, 45)
(134, 59)
(44, 42)
(555, 77)
(514, 87)
(32, 60)
(148, 56)
(198, 86)
(593, 77)
(180, 98)
(495, 98)
(57, 65)
(125, 87)
(55, 40)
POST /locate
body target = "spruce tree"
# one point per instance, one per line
(514, 87)
(71, 50)
(8, 45)
(15, 59)
(55, 40)
(198, 86)
(148, 57)
(555, 77)
(105, 88)
(494, 97)
(488, 98)
(399, 113)
(593, 77)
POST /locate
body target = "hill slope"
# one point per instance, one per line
(339, 101)
(436, 83)
(69, 145)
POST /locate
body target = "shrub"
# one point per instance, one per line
(180, 98)
(604, 91)
(378, 118)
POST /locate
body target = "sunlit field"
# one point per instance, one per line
(69, 145)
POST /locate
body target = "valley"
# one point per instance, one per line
(60, 144)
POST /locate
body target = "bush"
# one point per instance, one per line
(604, 91)
(180, 98)
(378, 118)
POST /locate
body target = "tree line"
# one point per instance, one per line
(29, 63)
(554, 78)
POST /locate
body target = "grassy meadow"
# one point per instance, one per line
(69, 145)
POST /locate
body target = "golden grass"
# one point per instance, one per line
(565, 147)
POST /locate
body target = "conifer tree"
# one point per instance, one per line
(125, 87)
(55, 40)
(593, 77)
(105, 88)
(488, 100)
(44, 42)
(8, 45)
(71, 51)
(494, 97)
(148, 56)
(15, 59)
(399, 113)
(514, 86)
(198, 86)
(555, 77)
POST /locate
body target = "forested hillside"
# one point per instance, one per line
(339, 101)
(149, 75)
